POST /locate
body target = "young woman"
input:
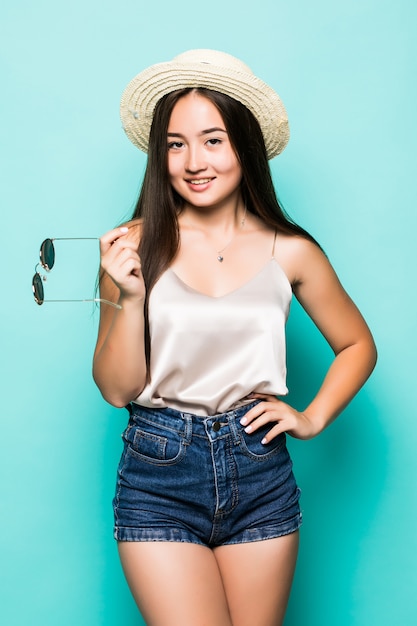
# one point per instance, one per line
(206, 506)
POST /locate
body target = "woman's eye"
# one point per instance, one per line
(175, 145)
(214, 141)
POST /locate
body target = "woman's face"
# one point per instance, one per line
(202, 165)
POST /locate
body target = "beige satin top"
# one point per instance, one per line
(209, 353)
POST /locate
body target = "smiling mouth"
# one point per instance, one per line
(200, 181)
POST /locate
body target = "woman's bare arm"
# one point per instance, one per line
(119, 366)
(319, 291)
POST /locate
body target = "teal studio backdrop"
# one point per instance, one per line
(347, 74)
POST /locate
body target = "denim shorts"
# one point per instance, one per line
(186, 478)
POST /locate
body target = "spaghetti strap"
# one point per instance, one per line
(273, 245)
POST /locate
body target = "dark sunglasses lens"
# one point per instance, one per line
(37, 288)
(47, 254)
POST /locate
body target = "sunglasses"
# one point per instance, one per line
(47, 261)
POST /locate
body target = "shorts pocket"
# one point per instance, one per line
(154, 444)
(251, 446)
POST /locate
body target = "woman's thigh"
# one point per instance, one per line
(175, 584)
(257, 578)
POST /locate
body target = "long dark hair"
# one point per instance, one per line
(159, 205)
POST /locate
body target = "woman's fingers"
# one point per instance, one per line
(113, 242)
(281, 416)
(120, 260)
(109, 238)
(270, 403)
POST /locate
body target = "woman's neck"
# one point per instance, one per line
(221, 220)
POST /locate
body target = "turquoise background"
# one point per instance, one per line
(347, 74)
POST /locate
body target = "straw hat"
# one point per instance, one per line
(210, 69)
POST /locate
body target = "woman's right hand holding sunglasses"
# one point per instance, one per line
(120, 260)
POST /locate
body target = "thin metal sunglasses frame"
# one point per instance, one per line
(47, 261)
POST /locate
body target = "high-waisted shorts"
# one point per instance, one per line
(186, 478)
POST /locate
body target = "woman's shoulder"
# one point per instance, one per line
(297, 244)
(296, 253)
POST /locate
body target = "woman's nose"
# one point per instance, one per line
(195, 161)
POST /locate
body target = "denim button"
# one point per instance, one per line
(216, 427)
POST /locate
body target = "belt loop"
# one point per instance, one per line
(188, 427)
(231, 418)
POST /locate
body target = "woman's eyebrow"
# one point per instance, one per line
(215, 129)
(207, 131)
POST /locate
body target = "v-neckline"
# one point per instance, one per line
(233, 291)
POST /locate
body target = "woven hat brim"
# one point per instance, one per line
(142, 94)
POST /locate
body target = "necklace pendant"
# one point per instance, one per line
(220, 258)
